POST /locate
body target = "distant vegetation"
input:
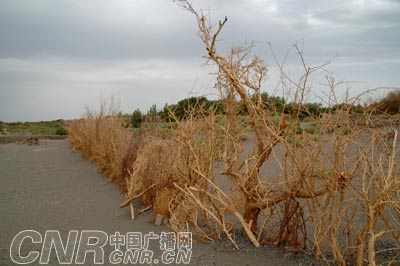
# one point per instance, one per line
(35, 128)
(389, 104)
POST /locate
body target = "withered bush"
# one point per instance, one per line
(329, 193)
(334, 192)
(101, 139)
(131, 154)
(390, 103)
(151, 175)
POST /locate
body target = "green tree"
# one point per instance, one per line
(182, 108)
(137, 118)
(152, 114)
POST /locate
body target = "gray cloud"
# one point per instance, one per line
(148, 51)
(94, 29)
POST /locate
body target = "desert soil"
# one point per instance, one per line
(49, 187)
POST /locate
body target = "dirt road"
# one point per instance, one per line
(49, 187)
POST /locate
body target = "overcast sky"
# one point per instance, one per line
(58, 56)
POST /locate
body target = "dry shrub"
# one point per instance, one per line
(390, 103)
(131, 154)
(328, 192)
(101, 139)
(335, 193)
(351, 190)
(151, 175)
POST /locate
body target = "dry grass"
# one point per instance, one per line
(102, 140)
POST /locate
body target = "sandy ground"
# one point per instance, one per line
(49, 187)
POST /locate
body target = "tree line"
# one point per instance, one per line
(170, 112)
